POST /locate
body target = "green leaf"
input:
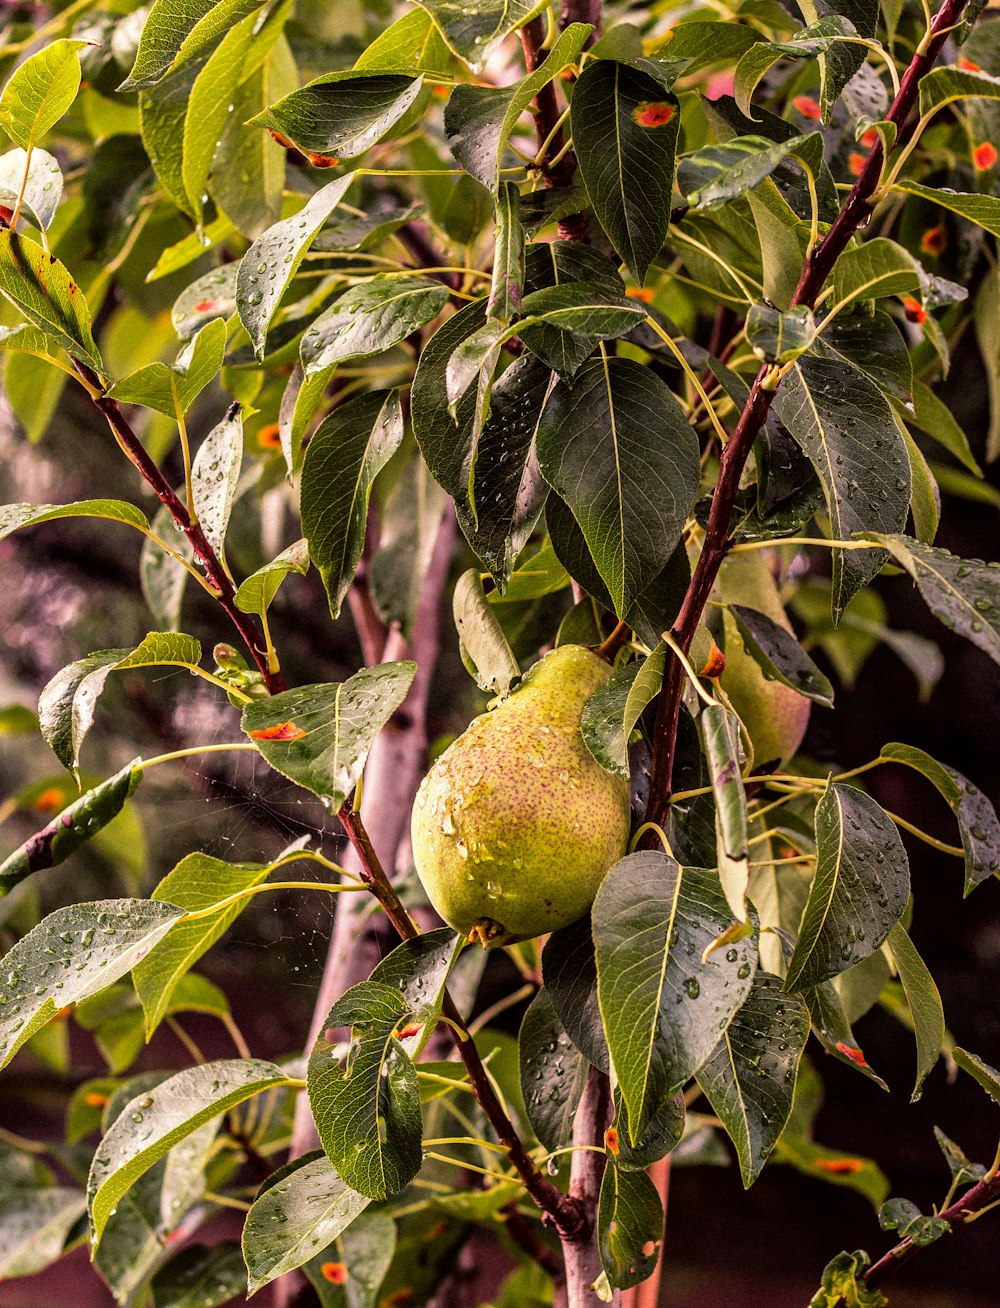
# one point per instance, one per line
(38, 285)
(319, 736)
(625, 124)
(162, 577)
(845, 427)
(40, 91)
(618, 449)
(368, 1115)
(934, 417)
(169, 387)
(569, 969)
(296, 1218)
(977, 819)
(602, 723)
(98, 943)
(987, 331)
(73, 827)
(779, 335)
(925, 494)
(963, 1169)
(254, 595)
(199, 1277)
(780, 656)
(212, 295)
(341, 114)
(819, 38)
(843, 1283)
(68, 703)
(370, 318)
(662, 1005)
(541, 574)
(629, 1220)
(215, 473)
(860, 890)
(943, 86)
(705, 44)
(481, 636)
(152, 1123)
(419, 969)
(474, 32)
(34, 1226)
(42, 187)
(750, 1078)
(833, 1030)
(507, 285)
(714, 175)
(988, 1077)
(364, 1251)
(479, 120)
(878, 268)
(410, 44)
(720, 730)
(273, 259)
(904, 1216)
(553, 1073)
(177, 31)
(197, 882)
(15, 516)
(661, 1136)
(983, 210)
(410, 528)
(924, 1001)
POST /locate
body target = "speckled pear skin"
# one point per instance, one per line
(774, 715)
(516, 823)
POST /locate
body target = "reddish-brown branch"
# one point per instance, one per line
(853, 216)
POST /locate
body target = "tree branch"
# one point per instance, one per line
(854, 215)
(583, 1259)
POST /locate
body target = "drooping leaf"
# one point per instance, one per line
(820, 38)
(273, 259)
(943, 86)
(662, 1005)
(42, 186)
(924, 1001)
(860, 891)
(481, 636)
(629, 1221)
(618, 449)
(98, 942)
(255, 593)
(845, 426)
(661, 1136)
(296, 1218)
(720, 732)
(73, 827)
(553, 1073)
(151, 1124)
(987, 1076)
(983, 210)
(319, 736)
(625, 124)
(780, 656)
(344, 456)
(40, 91)
(38, 285)
(370, 318)
(750, 1078)
(569, 968)
(368, 1115)
(410, 532)
(833, 1030)
(978, 824)
(341, 115)
(904, 1216)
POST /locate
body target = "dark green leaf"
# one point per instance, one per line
(780, 656)
(507, 285)
(662, 1005)
(341, 114)
(833, 1030)
(618, 448)
(419, 970)
(860, 891)
(475, 31)
(924, 1002)
(875, 269)
(553, 1073)
(570, 971)
(368, 1114)
(904, 1216)
(319, 736)
(200, 1277)
(750, 1078)
(629, 1220)
(779, 335)
(625, 124)
(602, 723)
(943, 86)
(370, 318)
(983, 210)
(963, 1169)
(346, 453)
(716, 174)
(661, 1136)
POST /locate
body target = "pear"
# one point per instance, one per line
(775, 716)
(516, 824)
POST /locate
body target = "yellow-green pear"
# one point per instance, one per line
(516, 824)
(774, 715)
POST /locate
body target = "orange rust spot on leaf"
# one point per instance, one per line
(403, 1295)
(968, 66)
(870, 137)
(914, 310)
(653, 113)
(208, 306)
(62, 1014)
(640, 293)
(441, 92)
(322, 160)
(93, 1100)
(405, 1032)
(715, 664)
(935, 240)
(439, 1229)
(807, 107)
(853, 1053)
(855, 163)
(282, 140)
(335, 1273)
(281, 731)
(269, 437)
(984, 156)
(611, 1141)
(839, 1166)
(49, 800)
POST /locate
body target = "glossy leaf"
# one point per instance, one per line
(254, 595)
(602, 723)
(481, 636)
(368, 1115)
(345, 454)
(370, 318)
(475, 31)
(163, 579)
(833, 1030)
(716, 174)
(924, 1002)
(978, 824)
(151, 1124)
(860, 891)
(73, 827)
(42, 187)
(750, 1078)
(319, 736)
(904, 1216)
(780, 656)
(173, 387)
(619, 450)
(819, 38)
(983, 210)
(875, 269)
(34, 1226)
(99, 942)
(419, 970)
(845, 427)
(629, 1221)
(553, 1073)
(625, 124)
(273, 259)
(350, 1271)
(779, 335)
(507, 285)
(569, 968)
(661, 1136)
(341, 115)
(987, 1076)
(176, 31)
(411, 43)
(40, 91)
(38, 285)
(200, 1277)
(943, 86)
(720, 731)
(662, 1005)
(296, 1218)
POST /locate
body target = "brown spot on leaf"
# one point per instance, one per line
(653, 113)
(611, 1141)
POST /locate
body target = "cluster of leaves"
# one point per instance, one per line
(422, 328)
